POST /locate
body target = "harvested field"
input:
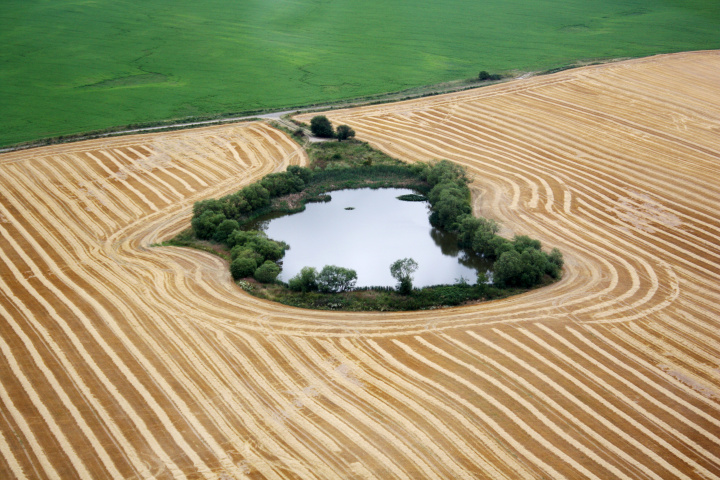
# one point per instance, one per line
(122, 360)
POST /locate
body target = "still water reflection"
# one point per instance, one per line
(367, 230)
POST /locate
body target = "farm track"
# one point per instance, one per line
(122, 360)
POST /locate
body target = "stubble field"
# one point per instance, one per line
(123, 360)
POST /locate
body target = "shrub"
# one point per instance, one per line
(267, 272)
(225, 228)
(507, 269)
(485, 240)
(555, 263)
(344, 132)
(484, 76)
(269, 249)
(305, 281)
(320, 126)
(305, 174)
(242, 237)
(534, 264)
(523, 242)
(256, 195)
(206, 224)
(515, 269)
(336, 279)
(243, 251)
(242, 267)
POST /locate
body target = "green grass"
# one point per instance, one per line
(73, 66)
(380, 299)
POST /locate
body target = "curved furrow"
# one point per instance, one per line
(125, 360)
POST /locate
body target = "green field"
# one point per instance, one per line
(74, 66)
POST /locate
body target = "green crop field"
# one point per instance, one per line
(74, 66)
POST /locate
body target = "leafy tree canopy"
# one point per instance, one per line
(336, 279)
(320, 126)
(344, 132)
(402, 271)
(267, 272)
(305, 281)
(242, 267)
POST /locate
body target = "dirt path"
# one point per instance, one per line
(122, 360)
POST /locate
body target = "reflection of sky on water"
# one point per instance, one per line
(380, 230)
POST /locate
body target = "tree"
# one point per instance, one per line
(243, 251)
(447, 210)
(555, 263)
(305, 174)
(225, 228)
(507, 269)
(242, 237)
(242, 267)
(320, 126)
(206, 224)
(256, 195)
(344, 132)
(445, 170)
(515, 269)
(267, 272)
(485, 239)
(534, 264)
(269, 249)
(305, 281)
(500, 245)
(336, 279)
(203, 206)
(402, 271)
(523, 242)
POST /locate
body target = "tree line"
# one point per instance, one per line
(518, 263)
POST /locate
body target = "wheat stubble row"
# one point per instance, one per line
(124, 360)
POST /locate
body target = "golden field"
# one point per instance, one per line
(124, 360)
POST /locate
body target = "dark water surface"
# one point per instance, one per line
(378, 230)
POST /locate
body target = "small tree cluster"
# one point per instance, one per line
(253, 254)
(518, 263)
(331, 279)
(484, 76)
(215, 219)
(344, 132)
(518, 267)
(321, 127)
(305, 281)
(334, 279)
(449, 196)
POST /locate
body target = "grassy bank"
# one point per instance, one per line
(380, 299)
(71, 67)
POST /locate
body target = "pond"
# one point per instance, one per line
(367, 230)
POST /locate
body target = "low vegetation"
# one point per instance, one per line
(64, 72)
(217, 226)
(484, 76)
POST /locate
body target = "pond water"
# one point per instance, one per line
(367, 230)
